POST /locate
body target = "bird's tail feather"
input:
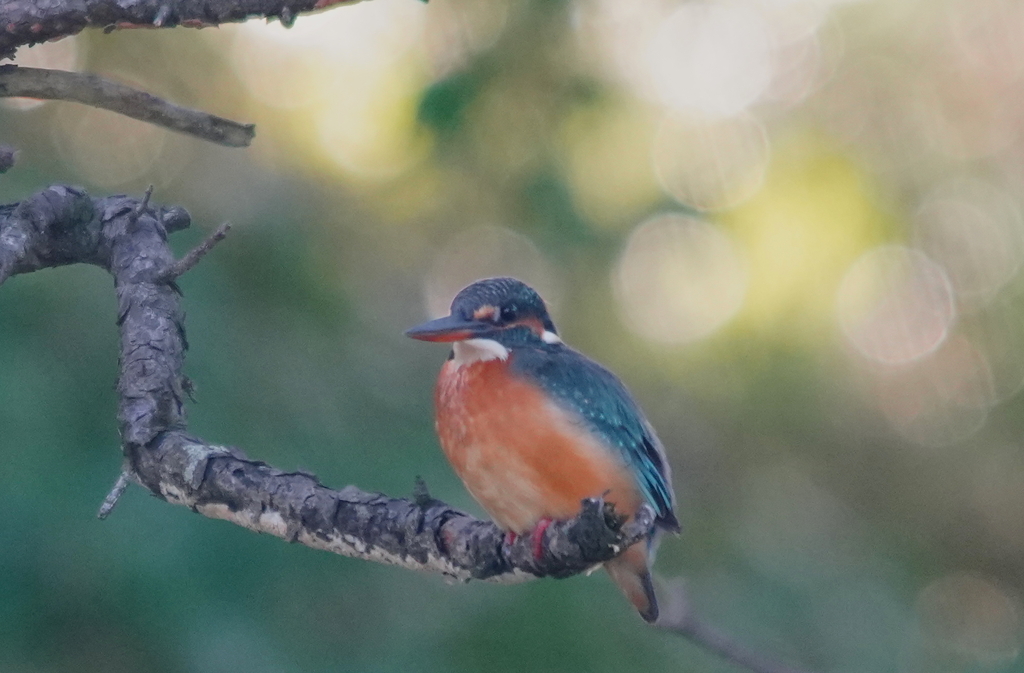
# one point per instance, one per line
(632, 575)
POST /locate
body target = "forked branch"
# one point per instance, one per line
(128, 238)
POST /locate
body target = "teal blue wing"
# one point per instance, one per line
(593, 393)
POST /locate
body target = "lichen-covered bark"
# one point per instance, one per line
(127, 237)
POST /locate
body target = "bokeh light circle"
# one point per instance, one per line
(112, 151)
(275, 71)
(711, 58)
(369, 130)
(974, 230)
(358, 75)
(710, 164)
(678, 279)
(961, 113)
(456, 30)
(973, 617)
(988, 35)
(800, 66)
(939, 400)
(369, 34)
(293, 67)
(895, 305)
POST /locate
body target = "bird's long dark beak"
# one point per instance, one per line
(449, 328)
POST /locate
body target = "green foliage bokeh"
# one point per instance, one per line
(812, 529)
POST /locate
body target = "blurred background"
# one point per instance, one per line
(793, 227)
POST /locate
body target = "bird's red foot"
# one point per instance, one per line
(537, 538)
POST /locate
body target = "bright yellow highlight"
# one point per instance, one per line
(679, 279)
(800, 233)
(368, 126)
(348, 84)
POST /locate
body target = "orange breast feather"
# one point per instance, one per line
(521, 457)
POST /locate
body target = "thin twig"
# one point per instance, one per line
(115, 494)
(8, 157)
(677, 617)
(142, 206)
(16, 81)
(144, 203)
(193, 256)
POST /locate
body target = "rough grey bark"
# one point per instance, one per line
(128, 238)
(27, 22)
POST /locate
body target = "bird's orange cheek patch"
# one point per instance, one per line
(485, 313)
(535, 325)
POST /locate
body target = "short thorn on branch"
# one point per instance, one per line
(115, 494)
(8, 157)
(421, 494)
(143, 205)
(195, 255)
(162, 15)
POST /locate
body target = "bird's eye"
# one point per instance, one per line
(508, 313)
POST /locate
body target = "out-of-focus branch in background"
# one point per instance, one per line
(103, 93)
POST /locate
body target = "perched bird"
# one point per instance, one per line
(532, 427)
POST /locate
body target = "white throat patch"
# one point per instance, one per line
(477, 350)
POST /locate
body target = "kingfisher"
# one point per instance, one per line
(532, 427)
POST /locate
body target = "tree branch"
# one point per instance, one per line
(677, 617)
(27, 22)
(127, 237)
(103, 93)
